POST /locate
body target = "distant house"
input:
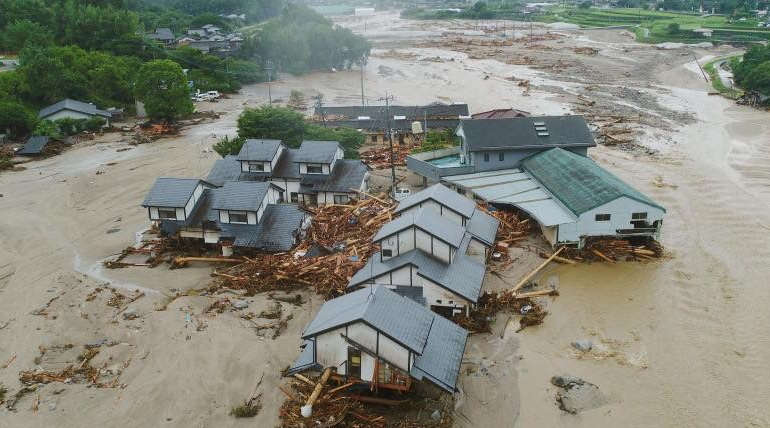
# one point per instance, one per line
(162, 35)
(72, 109)
(378, 338)
(239, 214)
(496, 144)
(500, 113)
(434, 252)
(314, 174)
(34, 146)
(705, 32)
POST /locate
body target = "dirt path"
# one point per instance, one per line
(679, 342)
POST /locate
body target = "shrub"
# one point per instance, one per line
(229, 146)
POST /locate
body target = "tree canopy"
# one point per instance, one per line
(162, 87)
(753, 73)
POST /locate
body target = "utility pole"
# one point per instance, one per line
(269, 69)
(363, 102)
(319, 107)
(388, 99)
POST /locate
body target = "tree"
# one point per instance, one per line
(229, 146)
(349, 138)
(758, 79)
(673, 28)
(16, 118)
(272, 122)
(25, 32)
(162, 86)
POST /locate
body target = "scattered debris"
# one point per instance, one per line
(379, 158)
(577, 394)
(584, 345)
(83, 372)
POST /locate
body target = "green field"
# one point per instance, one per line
(653, 26)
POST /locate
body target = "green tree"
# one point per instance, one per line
(349, 138)
(162, 86)
(229, 146)
(15, 118)
(673, 28)
(19, 34)
(274, 123)
(758, 78)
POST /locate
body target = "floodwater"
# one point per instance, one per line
(684, 341)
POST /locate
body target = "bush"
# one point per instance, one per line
(673, 28)
(47, 128)
(15, 117)
(229, 146)
(437, 140)
(272, 122)
(94, 124)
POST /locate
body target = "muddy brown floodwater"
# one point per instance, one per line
(683, 341)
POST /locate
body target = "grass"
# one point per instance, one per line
(246, 410)
(3, 391)
(716, 81)
(656, 23)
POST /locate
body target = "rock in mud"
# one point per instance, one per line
(240, 304)
(583, 345)
(577, 394)
(130, 314)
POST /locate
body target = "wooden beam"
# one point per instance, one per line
(374, 400)
(304, 379)
(340, 388)
(537, 269)
(599, 253)
(319, 386)
(551, 292)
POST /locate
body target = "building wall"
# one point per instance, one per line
(324, 168)
(437, 208)
(332, 350)
(436, 295)
(401, 276)
(277, 157)
(511, 158)
(69, 114)
(477, 250)
(620, 211)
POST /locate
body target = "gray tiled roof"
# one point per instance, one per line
(259, 150)
(69, 104)
(170, 192)
(316, 151)
(438, 226)
(34, 146)
(520, 133)
(241, 195)
(404, 320)
(442, 195)
(162, 33)
(440, 360)
(226, 169)
(348, 174)
(464, 276)
(412, 113)
(483, 227)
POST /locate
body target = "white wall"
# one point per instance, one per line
(277, 157)
(251, 217)
(620, 211)
(180, 214)
(394, 353)
(288, 186)
(433, 292)
(401, 276)
(477, 250)
(69, 114)
(332, 350)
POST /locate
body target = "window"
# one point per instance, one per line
(374, 138)
(314, 169)
(387, 253)
(167, 213)
(602, 217)
(501, 156)
(438, 301)
(341, 199)
(638, 216)
(238, 217)
(256, 167)
(486, 157)
(294, 197)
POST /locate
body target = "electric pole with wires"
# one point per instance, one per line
(388, 99)
(269, 69)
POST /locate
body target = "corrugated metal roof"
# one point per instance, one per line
(578, 182)
(258, 150)
(443, 196)
(443, 354)
(440, 227)
(34, 145)
(518, 133)
(316, 151)
(241, 195)
(404, 320)
(170, 192)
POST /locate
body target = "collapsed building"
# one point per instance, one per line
(540, 165)
(408, 123)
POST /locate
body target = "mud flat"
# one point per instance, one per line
(678, 342)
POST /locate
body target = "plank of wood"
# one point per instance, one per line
(180, 260)
(374, 400)
(340, 388)
(304, 379)
(319, 386)
(287, 393)
(537, 269)
(551, 292)
(599, 253)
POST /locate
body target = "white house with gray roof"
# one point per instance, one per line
(431, 253)
(316, 173)
(72, 109)
(240, 214)
(377, 337)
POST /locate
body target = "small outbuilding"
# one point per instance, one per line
(34, 146)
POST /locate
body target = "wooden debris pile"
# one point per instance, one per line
(490, 304)
(379, 158)
(613, 250)
(82, 372)
(346, 405)
(513, 227)
(337, 245)
(586, 51)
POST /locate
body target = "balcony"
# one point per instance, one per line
(438, 163)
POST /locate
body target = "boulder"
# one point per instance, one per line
(583, 345)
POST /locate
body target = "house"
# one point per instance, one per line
(316, 173)
(500, 113)
(496, 144)
(34, 146)
(73, 109)
(407, 122)
(569, 195)
(162, 35)
(376, 337)
(241, 214)
(431, 253)
(705, 32)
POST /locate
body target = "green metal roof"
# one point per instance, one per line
(578, 182)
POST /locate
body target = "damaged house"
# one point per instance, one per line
(540, 165)
(434, 252)
(316, 173)
(408, 123)
(378, 338)
(235, 214)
